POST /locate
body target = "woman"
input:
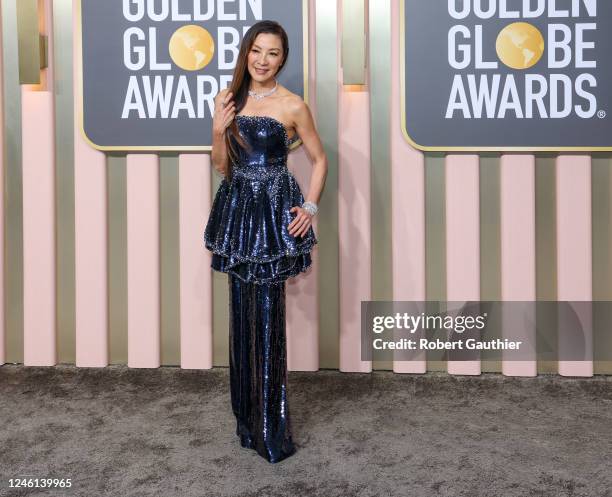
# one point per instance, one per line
(260, 230)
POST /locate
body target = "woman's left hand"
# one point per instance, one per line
(299, 226)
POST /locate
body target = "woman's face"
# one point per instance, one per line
(265, 57)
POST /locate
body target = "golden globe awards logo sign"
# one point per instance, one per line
(152, 68)
(507, 74)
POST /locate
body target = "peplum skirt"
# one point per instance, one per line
(247, 231)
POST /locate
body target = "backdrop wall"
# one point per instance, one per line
(103, 257)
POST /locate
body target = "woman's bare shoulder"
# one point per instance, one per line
(292, 101)
(287, 95)
(298, 108)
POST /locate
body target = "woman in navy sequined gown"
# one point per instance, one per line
(260, 230)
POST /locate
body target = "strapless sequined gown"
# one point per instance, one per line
(247, 233)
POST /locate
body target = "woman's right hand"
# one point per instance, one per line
(224, 114)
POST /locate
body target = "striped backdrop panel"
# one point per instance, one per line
(394, 222)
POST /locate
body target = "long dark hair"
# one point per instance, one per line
(242, 79)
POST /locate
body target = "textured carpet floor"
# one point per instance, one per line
(170, 432)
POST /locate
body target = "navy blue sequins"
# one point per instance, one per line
(247, 230)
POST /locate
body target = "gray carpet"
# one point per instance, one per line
(170, 432)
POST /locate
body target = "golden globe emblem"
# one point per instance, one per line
(520, 45)
(191, 47)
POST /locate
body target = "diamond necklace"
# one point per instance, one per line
(259, 96)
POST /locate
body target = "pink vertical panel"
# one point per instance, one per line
(302, 303)
(574, 258)
(354, 224)
(408, 203)
(38, 176)
(90, 223)
(38, 145)
(518, 254)
(143, 261)
(2, 174)
(195, 274)
(90, 264)
(462, 240)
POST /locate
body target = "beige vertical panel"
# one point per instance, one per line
(601, 181)
(490, 249)
(2, 169)
(379, 74)
(328, 72)
(353, 41)
(435, 244)
(517, 200)
(302, 295)
(47, 75)
(354, 207)
(574, 261)
(64, 177)
(195, 274)
(382, 71)
(28, 24)
(38, 228)
(220, 299)
(463, 243)
(169, 258)
(546, 258)
(143, 273)
(407, 180)
(117, 258)
(13, 232)
(90, 233)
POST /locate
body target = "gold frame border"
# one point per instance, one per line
(402, 41)
(78, 64)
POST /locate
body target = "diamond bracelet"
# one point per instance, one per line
(310, 207)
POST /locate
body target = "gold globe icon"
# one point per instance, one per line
(191, 47)
(520, 45)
